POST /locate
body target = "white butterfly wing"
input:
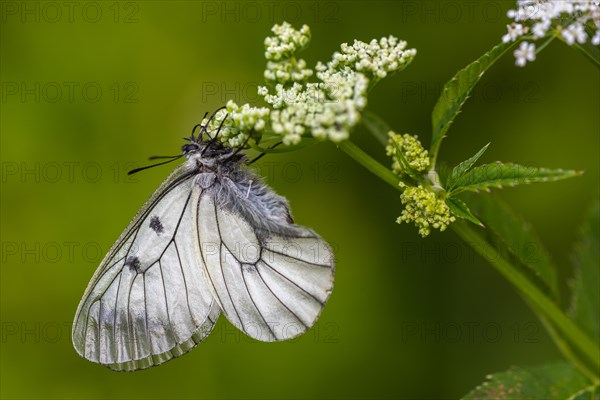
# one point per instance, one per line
(270, 283)
(148, 301)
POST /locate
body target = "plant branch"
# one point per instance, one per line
(566, 350)
(369, 163)
(582, 50)
(545, 44)
(546, 307)
(587, 54)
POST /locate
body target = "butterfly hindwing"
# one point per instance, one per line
(148, 301)
(270, 277)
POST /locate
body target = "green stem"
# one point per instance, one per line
(546, 43)
(377, 126)
(594, 60)
(566, 350)
(538, 299)
(564, 347)
(434, 151)
(589, 56)
(369, 163)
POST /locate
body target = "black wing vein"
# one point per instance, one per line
(279, 300)
(291, 281)
(162, 278)
(221, 263)
(187, 293)
(298, 259)
(254, 303)
(136, 228)
(212, 283)
(129, 324)
(115, 316)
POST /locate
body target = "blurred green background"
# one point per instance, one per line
(90, 89)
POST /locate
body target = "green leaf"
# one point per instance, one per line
(464, 167)
(499, 174)
(551, 381)
(377, 126)
(461, 210)
(515, 236)
(585, 306)
(456, 91)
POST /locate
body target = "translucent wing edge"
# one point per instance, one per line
(177, 351)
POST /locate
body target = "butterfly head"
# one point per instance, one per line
(205, 148)
(210, 153)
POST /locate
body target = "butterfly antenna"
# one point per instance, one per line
(214, 138)
(212, 116)
(162, 157)
(198, 126)
(173, 158)
(255, 159)
(219, 129)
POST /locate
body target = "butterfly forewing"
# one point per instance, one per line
(148, 301)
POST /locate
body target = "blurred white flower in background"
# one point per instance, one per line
(526, 52)
(572, 21)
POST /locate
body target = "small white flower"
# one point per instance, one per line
(596, 38)
(539, 30)
(514, 32)
(263, 91)
(526, 52)
(574, 32)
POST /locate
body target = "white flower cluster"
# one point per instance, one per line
(280, 52)
(568, 18)
(287, 71)
(377, 58)
(330, 107)
(326, 109)
(286, 42)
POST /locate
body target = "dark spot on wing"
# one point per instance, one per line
(156, 225)
(250, 268)
(133, 263)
